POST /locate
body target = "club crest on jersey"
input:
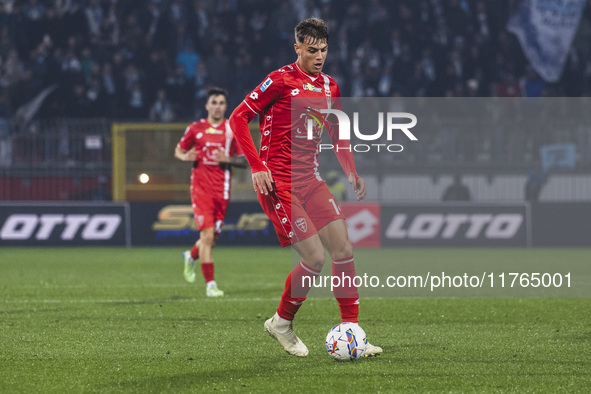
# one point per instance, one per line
(211, 130)
(266, 84)
(312, 88)
(302, 225)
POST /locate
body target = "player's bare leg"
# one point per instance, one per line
(280, 326)
(335, 239)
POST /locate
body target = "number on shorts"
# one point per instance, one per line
(334, 204)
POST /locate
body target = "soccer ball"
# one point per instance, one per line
(346, 342)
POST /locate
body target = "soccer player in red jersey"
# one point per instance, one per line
(304, 212)
(210, 144)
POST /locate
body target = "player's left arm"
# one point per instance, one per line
(342, 149)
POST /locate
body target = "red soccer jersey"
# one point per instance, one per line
(285, 149)
(209, 176)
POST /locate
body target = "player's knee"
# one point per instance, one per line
(208, 239)
(316, 261)
(343, 251)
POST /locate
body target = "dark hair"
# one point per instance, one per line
(312, 28)
(215, 91)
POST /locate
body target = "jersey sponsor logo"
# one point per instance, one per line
(209, 153)
(211, 130)
(295, 92)
(23, 227)
(199, 135)
(455, 225)
(254, 96)
(312, 88)
(302, 224)
(314, 124)
(266, 84)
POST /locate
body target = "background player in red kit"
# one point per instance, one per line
(304, 213)
(210, 144)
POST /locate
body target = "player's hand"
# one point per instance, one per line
(221, 157)
(191, 155)
(262, 181)
(358, 186)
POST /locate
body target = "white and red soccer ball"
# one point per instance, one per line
(346, 342)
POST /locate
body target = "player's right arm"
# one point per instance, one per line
(185, 155)
(256, 103)
(185, 149)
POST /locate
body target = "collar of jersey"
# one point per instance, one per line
(305, 73)
(215, 126)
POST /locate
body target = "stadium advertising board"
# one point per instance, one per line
(164, 223)
(561, 225)
(363, 224)
(456, 224)
(64, 224)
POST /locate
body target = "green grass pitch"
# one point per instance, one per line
(124, 320)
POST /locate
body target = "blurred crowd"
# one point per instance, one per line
(155, 59)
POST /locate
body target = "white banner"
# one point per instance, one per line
(546, 29)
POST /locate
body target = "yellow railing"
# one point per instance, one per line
(149, 148)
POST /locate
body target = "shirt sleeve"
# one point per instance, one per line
(233, 147)
(239, 120)
(188, 139)
(266, 94)
(256, 102)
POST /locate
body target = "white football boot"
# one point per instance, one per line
(282, 331)
(189, 272)
(372, 351)
(212, 290)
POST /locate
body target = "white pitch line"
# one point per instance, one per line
(124, 286)
(99, 301)
(128, 286)
(154, 301)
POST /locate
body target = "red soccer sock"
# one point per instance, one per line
(294, 293)
(207, 270)
(346, 293)
(195, 252)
